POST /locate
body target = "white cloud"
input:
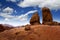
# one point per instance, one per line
(14, 23)
(55, 4)
(10, 19)
(25, 16)
(5, 15)
(8, 16)
(6, 19)
(8, 10)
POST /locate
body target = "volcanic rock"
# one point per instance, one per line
(47, 16)
(35, 19)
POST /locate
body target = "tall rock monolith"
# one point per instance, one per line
(46, 16)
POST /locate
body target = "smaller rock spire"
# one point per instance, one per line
(35, 19)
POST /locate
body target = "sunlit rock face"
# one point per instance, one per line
(35, 19)
(46, 15)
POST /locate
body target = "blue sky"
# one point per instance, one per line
(19, 12)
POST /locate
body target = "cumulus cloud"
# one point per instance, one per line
(55, 4)
(8, 11)
(6, 16)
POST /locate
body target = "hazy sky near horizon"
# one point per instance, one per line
(19, 12)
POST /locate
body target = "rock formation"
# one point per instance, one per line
(27, 28)
(51, 23)
(55, 23)
(47, 16)
(4, 27)
(1, 28)
(35, 19)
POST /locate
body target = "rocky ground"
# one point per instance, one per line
(32, 32)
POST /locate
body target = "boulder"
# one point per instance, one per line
(27, 28)
(35, 19)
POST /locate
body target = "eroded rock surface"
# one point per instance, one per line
(37, 32)
(47, 16)
(35, 19)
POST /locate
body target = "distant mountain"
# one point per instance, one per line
(5, 27)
